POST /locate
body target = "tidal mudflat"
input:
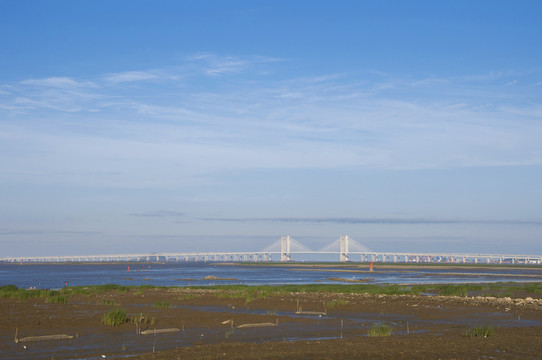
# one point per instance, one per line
(467, 321)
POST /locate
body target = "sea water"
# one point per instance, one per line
(55, 276)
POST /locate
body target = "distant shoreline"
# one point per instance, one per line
(323, 264)
(363, 265)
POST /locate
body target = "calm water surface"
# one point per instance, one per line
(54, 276)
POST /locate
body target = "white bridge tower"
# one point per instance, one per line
(343, 248)
(285, 248)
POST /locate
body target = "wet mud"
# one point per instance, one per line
(208, 326)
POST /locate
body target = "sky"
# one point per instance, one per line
(175, 126)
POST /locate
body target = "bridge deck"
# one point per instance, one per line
(259, 256)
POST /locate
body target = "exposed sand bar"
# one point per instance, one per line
(406, 266)
(351, 271)
(417, 272)
(349, 280)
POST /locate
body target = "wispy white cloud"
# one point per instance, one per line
(214, 65)
(130, 76)
(177, 133)
(58, 82)
(159, 214)
(387, 221)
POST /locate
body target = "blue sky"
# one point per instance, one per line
(137, 126)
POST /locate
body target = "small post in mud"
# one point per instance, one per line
(16, 333)
(342, 323)
(407, 328)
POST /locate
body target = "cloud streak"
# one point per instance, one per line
(58, 82)
(47, 232)
(159, 214)
(130, 76)
(378, 221)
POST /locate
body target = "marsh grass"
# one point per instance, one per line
(497, 287)
(253, 292)
(534, 288)
(449, 289)
(229, 333)
(114, 317)
(334, 303)
(162, 304)
(480, 330)
(268, 290)
(143, 319)
(95, 289)
(108, 302)
(453, 290)
(230, 294)
(379, 330)
(58, 299)
(187, 297)
(249, 293)
(13, 292)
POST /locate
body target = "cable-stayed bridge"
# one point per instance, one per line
(287, 249)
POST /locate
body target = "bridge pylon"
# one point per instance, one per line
(343, 248)
(285, 248)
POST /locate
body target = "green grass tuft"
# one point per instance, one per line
(480, 330)
(114, 317)
(380, 330)
(59, 299)
(108, 302)
(161, 305)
